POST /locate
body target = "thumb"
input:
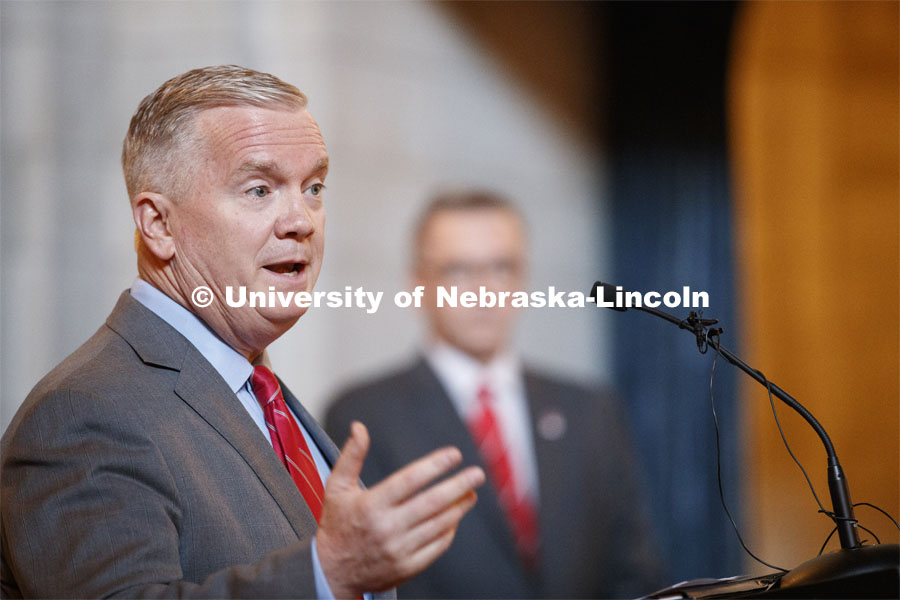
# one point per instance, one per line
(345, 473)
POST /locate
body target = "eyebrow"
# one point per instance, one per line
(255, 166)
(270, 168)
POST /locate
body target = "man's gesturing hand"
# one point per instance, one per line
(371, 540)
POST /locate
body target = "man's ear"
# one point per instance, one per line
(151, 216)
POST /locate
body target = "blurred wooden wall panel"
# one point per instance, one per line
(814, 122)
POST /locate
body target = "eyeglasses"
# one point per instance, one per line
(461, 273)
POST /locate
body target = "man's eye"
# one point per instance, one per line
(316, 189)
(259, 191)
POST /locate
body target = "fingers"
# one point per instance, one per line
(431, 514)
(436, 526)
(428, 553)
(407, 481)
(439, 497)
(345, 473)
(376, 538)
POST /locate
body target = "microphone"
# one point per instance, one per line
(693, 323)
(837, 483)
(853, 560)
(605, 291)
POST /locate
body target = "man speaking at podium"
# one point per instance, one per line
(563, 516)
(163, 458)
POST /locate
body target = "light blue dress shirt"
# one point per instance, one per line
(236, 371)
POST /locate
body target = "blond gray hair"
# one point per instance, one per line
(161, 129)
(460, 200)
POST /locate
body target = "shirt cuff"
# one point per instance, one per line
(323, 590)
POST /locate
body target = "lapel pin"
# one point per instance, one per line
(552, 425)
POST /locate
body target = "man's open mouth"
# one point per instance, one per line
(288, 268)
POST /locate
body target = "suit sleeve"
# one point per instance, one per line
(91, 509)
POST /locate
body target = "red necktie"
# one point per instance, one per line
(287, 439)
(519, 511)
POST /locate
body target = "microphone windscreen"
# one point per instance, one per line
(609, 294)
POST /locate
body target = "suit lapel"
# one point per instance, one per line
(202, 388)
(553, 462)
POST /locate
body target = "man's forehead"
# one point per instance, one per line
(232, 124)
(248, 137)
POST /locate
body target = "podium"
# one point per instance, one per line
(865, 572)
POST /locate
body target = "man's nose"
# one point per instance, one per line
(295, 218)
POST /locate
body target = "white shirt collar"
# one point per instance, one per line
(230, 364)
(461, 375)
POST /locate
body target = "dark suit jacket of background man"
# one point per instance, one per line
(595, 541)
(133, 463)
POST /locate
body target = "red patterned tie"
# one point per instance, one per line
(521, 514)
(287, 439)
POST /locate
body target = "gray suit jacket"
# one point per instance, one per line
(594, 534)
(133, 470)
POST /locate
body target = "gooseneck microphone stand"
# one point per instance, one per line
(845, 573)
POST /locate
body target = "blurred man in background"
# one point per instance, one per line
(563, 514)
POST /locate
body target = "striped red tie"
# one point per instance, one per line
(287, 439)
(519, 510)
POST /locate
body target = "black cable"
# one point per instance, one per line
(825, 543)
(712, 403)
(786, 445)
(822, 509)
(879, 510)
(877, 541)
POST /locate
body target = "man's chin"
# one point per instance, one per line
(482, 349)
(281, 315)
